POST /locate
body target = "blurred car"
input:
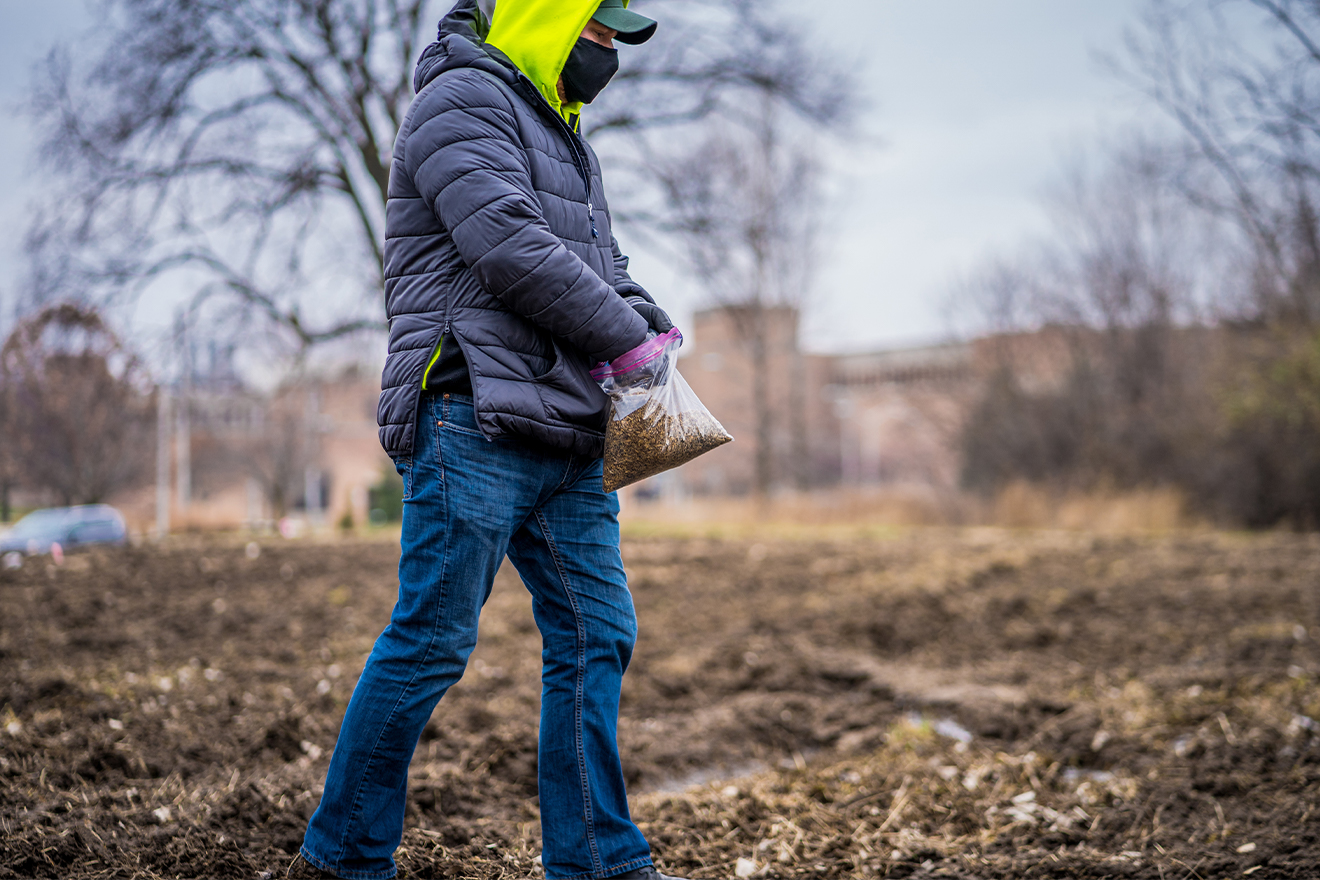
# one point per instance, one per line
(70, 527)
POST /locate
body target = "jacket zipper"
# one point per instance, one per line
(579, 159)
(472, 380)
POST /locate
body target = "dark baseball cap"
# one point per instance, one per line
(632, 28)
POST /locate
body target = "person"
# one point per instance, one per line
(504, 286)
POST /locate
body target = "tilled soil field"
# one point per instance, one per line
(969, 704)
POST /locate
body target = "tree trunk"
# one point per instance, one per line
(761, 405)
(797, 419)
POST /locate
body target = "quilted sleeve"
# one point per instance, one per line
(466, 159)
(623, 282)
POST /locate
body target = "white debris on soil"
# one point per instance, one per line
(947, 727)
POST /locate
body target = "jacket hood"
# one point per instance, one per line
(537, 35)
(459, 44)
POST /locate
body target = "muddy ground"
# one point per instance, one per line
(928, 703)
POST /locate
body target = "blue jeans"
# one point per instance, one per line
(467, 503)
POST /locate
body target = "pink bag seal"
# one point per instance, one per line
(637, 357)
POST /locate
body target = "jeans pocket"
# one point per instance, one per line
(458, 416)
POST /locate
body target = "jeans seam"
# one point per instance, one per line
(454, 429)
(578, 685)
(611, 871)
(351, 875)
(421, 664)
(629, 865)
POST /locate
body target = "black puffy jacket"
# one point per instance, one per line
(497, 234)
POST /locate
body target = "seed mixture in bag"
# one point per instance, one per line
(656, 421)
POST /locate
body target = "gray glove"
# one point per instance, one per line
(655, 316)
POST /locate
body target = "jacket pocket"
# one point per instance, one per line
(558, 364)
(569, 394)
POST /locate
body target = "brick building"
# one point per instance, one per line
(801, 437)
(892, 418)
(884, 418)
(306, 453)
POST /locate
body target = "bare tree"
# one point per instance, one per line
(80, 406)
(276, 454)
(8, 457)
(1185, 280)
(732, 181)
(710, 58)
(1248, 111)
(1110, 382)
(744, 204)
(712, 61)
(241, 147)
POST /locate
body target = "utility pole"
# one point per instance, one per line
(162, 462)
(254, 504)
(183, 433)
(183, 453)
(849, 466)
(312, 473)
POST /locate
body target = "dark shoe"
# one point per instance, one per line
(301, 869)
(645, 872)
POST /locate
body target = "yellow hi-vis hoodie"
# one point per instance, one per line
(537, 35)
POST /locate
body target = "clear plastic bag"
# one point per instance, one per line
(656, 421)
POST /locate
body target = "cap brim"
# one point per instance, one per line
(632, 28)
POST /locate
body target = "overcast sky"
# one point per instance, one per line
(977, 104)
(974, 104)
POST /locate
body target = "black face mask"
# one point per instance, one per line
(589, 68)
